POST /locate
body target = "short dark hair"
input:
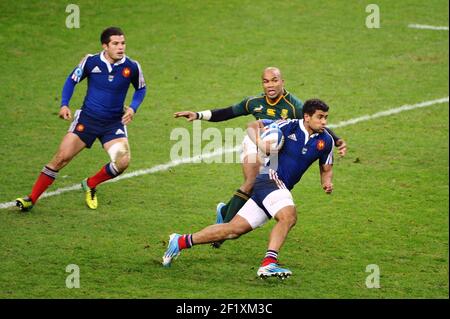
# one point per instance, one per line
(108, 32)
(311, 106)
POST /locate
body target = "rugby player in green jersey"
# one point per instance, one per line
(275, 103)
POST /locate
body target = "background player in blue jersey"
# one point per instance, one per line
(275, 103)
(103, 116)
(305, 142)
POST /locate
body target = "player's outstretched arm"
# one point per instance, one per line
(326, 177)
(65, 113)
(216, 115)
(190, 116)
(339, 142)
(342, 147)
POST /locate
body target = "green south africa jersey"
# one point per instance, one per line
(287, 106)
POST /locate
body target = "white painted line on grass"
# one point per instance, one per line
(154, 169)
(403, 108)
(427, 27)
(165, 167)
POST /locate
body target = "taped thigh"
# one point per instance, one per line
(118, 150)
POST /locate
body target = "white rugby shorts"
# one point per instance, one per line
(273, 203)
(249, 148)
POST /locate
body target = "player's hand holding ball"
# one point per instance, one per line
(271, 139)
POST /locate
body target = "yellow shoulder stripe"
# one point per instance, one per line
(291, 105)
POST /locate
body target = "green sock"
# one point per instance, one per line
(235, 204)
(224, 209)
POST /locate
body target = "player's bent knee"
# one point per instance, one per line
(292, 220)
(123, 162)
(238, 227)
(288, 217)
(251, 169)
(233, 236)
(247, 187)
(120, 155)
(231, 231)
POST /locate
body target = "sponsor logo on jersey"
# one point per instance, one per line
(96, 70)
(126, 72)
(320, 145)
(119, 131)
(271, 112)
(293, 137)
(79, 127)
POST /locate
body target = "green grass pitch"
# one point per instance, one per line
(390, 204)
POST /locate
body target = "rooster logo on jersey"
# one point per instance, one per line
(126, 72)
(320, 145)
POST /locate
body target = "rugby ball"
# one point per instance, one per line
(273, 134)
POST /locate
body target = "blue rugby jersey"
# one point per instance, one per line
(299, 151)
(107, 86)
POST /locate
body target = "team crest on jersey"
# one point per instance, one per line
(304, 150)
(284, 113)
(79, 127)
(110, 78)
(320, 145)
(126, 72)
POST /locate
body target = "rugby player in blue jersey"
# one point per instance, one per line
(275, 103)
(305, 141)
(103, 115)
